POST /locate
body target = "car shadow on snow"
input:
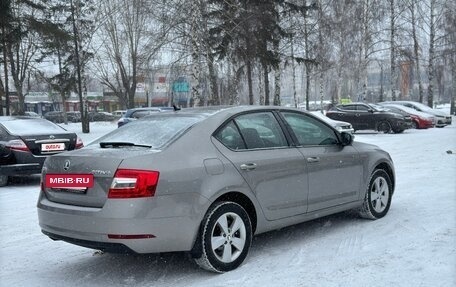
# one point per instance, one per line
(279, 240)
(104, 268)
(132, 269)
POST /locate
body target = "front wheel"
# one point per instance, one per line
(225, 238)
(415, 125)
(378, 196)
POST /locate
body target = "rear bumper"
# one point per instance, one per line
(106, 247)
(21, 169)
(173, 221)
(25, 163)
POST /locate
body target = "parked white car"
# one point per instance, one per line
(338, 125)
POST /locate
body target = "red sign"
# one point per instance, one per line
(69, 180)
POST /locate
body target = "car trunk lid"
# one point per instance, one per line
(101, 162)
(42, 145)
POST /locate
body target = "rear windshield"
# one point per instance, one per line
(32, 127)
(155, 131)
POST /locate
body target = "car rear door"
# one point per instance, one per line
(334, 171)
(257, 146)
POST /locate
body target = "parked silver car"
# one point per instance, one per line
(206, 180)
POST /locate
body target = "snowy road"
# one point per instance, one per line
(414, 245)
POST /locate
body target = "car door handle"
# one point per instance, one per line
(313, 159)
(248, 166)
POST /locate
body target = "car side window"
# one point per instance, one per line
(348, 108)
(362, 108)
(261, 130)
(230, 137)
(309, 131)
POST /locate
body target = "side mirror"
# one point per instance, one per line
(346, 138)
(370, 110)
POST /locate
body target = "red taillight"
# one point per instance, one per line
(79, 143)
(132, 183)
(17, 145)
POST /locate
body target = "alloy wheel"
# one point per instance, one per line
(228, 237)
(379, 194)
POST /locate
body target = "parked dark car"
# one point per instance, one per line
(25, 142)
(206, 180)
(58, 116)
(366, 117)
(442, 119)
(101, 117)
(74, 117)
(136, 113)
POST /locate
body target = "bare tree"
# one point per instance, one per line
(416, 49)
(130, 37)
(431, 71)
(22, 46)
(450, 49)
(196, 31)
(393, 75)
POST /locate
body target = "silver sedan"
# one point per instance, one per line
(205, 180)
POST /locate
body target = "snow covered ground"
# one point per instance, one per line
(414, 245)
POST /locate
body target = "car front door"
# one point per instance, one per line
(334, 171)
(257, 146)
(364, 117)
(351, 117)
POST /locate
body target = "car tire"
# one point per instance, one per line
(415, 125)
(3, 180)
(377, 200)
(217, 228)
(384, 127)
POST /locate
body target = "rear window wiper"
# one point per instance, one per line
(121, 144)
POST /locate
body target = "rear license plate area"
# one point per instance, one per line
(70, 190)
(47, 147)
(70, 182)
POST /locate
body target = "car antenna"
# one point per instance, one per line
(176, 108)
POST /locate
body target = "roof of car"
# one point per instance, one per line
(211, 110)
(12, 118)
(130, 111)
(353, 103)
